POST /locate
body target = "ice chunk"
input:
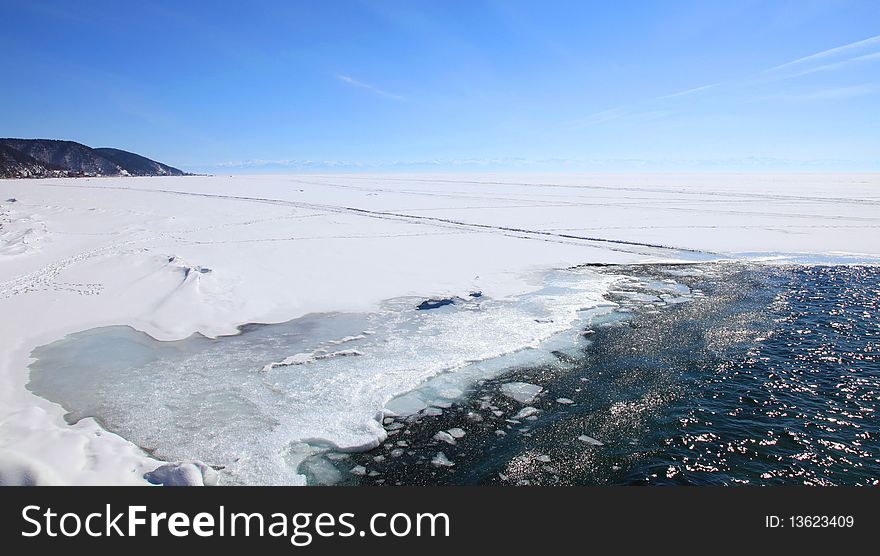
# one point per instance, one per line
(444, 436)
(359, 470)
(456, 432)
(183, 473)
(523, 392)
(526, 412)
(440, 460)
(407, 404)
(590, 440)
(320, 470)
(564, 401)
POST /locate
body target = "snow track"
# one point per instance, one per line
(428, 220)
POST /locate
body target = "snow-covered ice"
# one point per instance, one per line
(171, 257)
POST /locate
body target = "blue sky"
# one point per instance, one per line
(451, 85)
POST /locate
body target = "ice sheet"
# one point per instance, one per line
(175, 256)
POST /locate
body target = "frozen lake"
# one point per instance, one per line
(202, 255)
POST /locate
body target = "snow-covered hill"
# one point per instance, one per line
(38, 158)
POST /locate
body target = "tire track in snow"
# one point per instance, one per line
(511, 231)
(657, 204)
(648, 189)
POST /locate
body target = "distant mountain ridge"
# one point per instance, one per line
(40, 158)
(16, 164)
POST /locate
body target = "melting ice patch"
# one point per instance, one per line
(257, 405)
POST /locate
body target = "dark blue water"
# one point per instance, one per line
(800, 406)
(772, 377)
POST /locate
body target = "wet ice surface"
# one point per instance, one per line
(255, 405)
(768, 376)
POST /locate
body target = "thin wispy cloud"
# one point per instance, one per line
(836, 93)
(836, 65)
(351, 81)
(803, 63)
(847, 55)
(694, 90)
(600, 117)
(875, 40)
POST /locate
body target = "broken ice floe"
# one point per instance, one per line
(590, 440)
(523, 392)
(444, 436)
(358, 470)
(183, 473)
(526, 412)
(440, 460)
